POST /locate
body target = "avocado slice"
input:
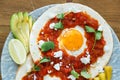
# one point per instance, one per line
(24, 32)
(20, 25)
(20, 16)
(30, 22)
(25, 15)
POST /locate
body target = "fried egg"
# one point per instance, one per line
(72, 40)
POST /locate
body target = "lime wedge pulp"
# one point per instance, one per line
(17, 51)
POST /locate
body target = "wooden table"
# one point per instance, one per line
(109, 9)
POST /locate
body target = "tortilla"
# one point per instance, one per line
(25, 68)
(74, 7)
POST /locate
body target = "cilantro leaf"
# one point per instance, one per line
(85, 74)
(60, 16)
(47, 46)
(98, 35)
(58, 25)
(36, 68)
(75, 74)
(89, 29)
(44, 60)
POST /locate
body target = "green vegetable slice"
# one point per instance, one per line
(20, 16)
(89, 29)
(60, 16)
(25, 15)
(98, 35)
(44, 60)
(20, 25)
(30, 20)
(85, 74)
(75, 74)
(58, 25)
(47, 46)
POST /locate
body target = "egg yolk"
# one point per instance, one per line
(72, 39)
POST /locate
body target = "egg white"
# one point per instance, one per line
(80, 50)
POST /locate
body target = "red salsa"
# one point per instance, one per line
(70, 21)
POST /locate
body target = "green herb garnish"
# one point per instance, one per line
(85, 74)
(60, 16)
(98, 34)
(75, 74)
(89, 29)
(44, 60)
(36, 68)
(47, 46)
(58, 25)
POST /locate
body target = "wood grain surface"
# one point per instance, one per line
(109, 9)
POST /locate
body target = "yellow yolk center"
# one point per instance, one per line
(72, 39)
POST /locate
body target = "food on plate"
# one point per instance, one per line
(17, 51)
(102, 76)
(20, 25)
(26, 67)
(85, 74)
(47, 46)
(69, 42)
(108, 72)
(96, 78)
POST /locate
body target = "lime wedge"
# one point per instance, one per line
(17, 51)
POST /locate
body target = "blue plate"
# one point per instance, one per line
(9, 68)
